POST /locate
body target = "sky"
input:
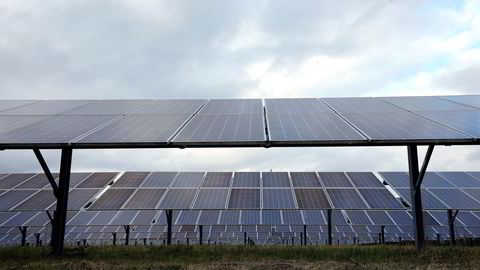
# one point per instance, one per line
(239, 49)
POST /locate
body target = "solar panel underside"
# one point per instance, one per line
(222, 128)
(156, 129)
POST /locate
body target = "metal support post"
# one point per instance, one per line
(201, 234)
(37, 239)
(301, 239)
(169, 214)
(329, 226)
(304, 235)
(244, 238)
(382, 234)
(438, 239)
(127, 234)
(293, 240)
(114, 234)
(60, 215)
(451, 224)
(23, 231)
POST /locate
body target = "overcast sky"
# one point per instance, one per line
(239, 49)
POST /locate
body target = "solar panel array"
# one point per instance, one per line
(239, 122)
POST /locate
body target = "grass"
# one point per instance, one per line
(242, 257)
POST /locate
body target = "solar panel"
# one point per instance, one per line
(246, 179)
(78, 198)
(272, 217)
(9, 104)
(460, 179)
(305, 179)
(217, 179)
(311, 199)
(58, 129)
(475, 193)
(334, 179)
(187, 217)
(209, 217)
(380, 198)
(359, 105)
(470, 100)
(295, 105)
(220, 128)
(124, 218)
(278, 198)
(364, 179)
(46, 107)
(211, 198)
(426, 104)
(178, 199)
(464, 121)
(230, 217)
(275, 179)
(36, 182)
(233, 106)
(455, 199)
(144, 199)
(41, 219)
(310, 127)
(160, 179)
(345, 198)
(250, 217)
(39, 201)
(380, 218)
(12, 180)
(432, 179)
(75, 178)
(400, 217)
(138, 129)
(188, 179)
(112, 199)
(400, 126)
(314, 217)
(13, 197)
(292, 217)
(19, 219)
(172, 106)
(82, 218)
(130, 179)
(396, 179)
(144, 217)
(338, 218)
(103, 218)
(358, 218)
(97, 180)
(428, 200)
(107, 107)
(469, 219)
(244, 198)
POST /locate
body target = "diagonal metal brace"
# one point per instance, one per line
(454, 215)
(426, 160)
(50, 216)
(46, 170)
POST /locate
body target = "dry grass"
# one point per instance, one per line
(242, 257)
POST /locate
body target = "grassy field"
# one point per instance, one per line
(242, 257)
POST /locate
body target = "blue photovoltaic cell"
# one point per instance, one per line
(272, 217)
(244, 198)
(401, 217)
(338, 218)
(275, 179)
(188, 179)
(124, 217)
(278, 198)
(230, 217)
(223, 128)
(47, 107)
(468, 219)
(292, 217)
(19, 219)
(419, 103)
(311, 199)
(138, 128)
(36, 182)
(103, 218)
(358, 218)
(314, 217)
(380, 198)
(112, 199)
(360, 105)
(295, 105)
(233, 106)
(160, 179)
(396, 179)
(397, 126)
(187, 217)
(13, 180)
(217, 179)
(246, 179)
(144, 199)
(428, 200)
(82, 218)
(170, 106)
(58, 129)
(107, 107)
(13, 197)
(310, 127)
(39, 201)
(97, 180)
(334, 179)
(346, 199)
(130, 179)
(305, 179)
(13, 122)
(475, 193)
(455, 198)
(178, 199)
(364, 179)
(211, 199)
(460, 179)
(427, 219)
(9, 104)
(250, 217)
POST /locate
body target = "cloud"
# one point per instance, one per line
(238, 49)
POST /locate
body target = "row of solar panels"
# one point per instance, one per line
(240, 190)
(254, 122)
